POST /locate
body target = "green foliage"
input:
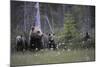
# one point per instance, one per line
(70, 35)
(70, 30)
(69, 27)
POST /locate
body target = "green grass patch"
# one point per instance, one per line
(50, 56)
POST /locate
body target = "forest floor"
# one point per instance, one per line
(51, 57)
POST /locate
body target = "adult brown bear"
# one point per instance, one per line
(35, 38)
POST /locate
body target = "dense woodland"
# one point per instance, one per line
(72, 28)
(68, 22)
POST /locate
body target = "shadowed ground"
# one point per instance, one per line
(50, 56)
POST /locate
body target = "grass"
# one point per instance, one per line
(50, 56)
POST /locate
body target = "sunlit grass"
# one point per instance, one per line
(50, 56)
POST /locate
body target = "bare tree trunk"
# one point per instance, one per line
(24, 16)
(37, 17)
